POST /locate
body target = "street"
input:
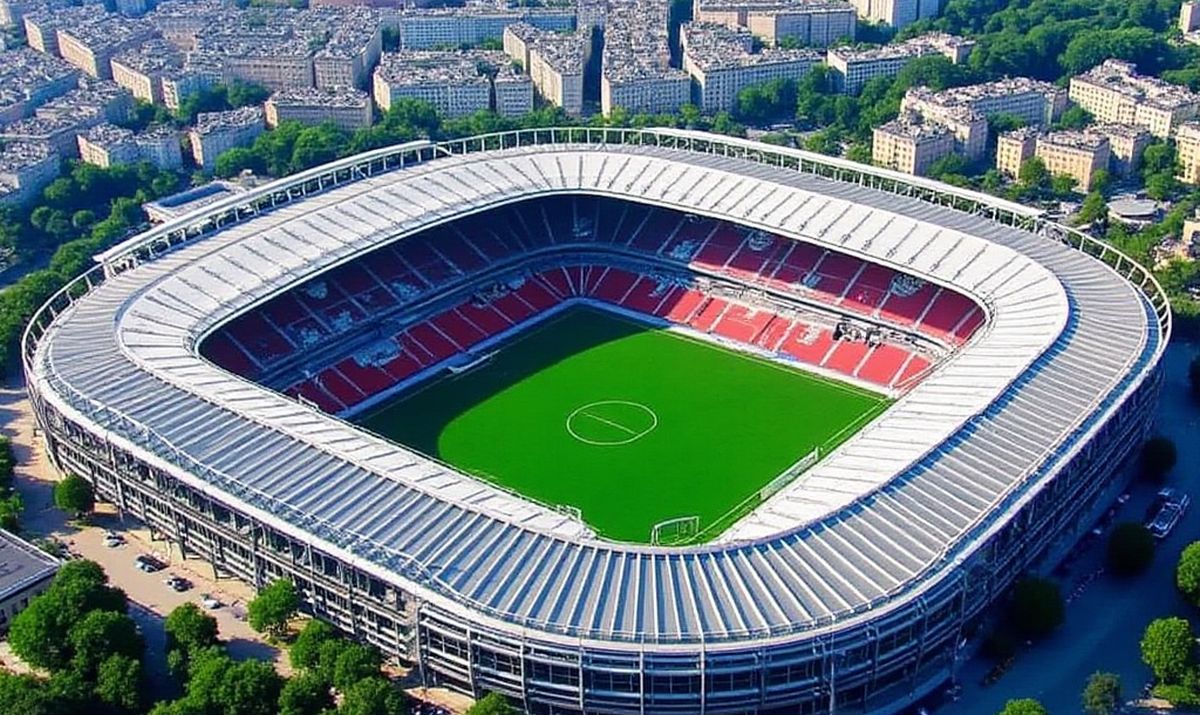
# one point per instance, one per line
(1106, 616)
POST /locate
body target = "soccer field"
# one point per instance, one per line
(630, 424)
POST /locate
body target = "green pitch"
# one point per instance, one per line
(630, 424)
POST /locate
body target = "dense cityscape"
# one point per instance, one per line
(124, 122)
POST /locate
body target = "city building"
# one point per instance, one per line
(1189, 17)
(143, 69)
(106, 145)
(910, 145)
(1115, 93)
(59, 121)
(91, 46)
(813, 23)
(29, 79)
(217, 132)
(25, 169)
(896, 13)
(555, 62)
(471, 25)
(722, 62)
(1126, 143)
(41, 26)
(456, 83)
(635, 70)
(347, 108)
(852, 67)
(1073, 153)
(965, 110)
(25, 570)
(1014, 148)
(351, 53)
(1187, 152)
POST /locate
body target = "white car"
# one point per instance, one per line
(209, 601)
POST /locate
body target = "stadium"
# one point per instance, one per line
(610, 420)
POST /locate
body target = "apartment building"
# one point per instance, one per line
(910, 145)
(471, 25)
(25, 169)
(635, 72)
(351, 53)
(347, 108)
(1187, 152)
(813, 23)
(1073, 153)
(455, 83)
(852, 67)
(555, 62)
(722, 62)
(29, 79)
(1126, 143)
(512, 90)
(896, 13)
(142, 69)
(91, 46)
(1115, 93)
(25, 570)
(217, 132)
(106, 145)
(965, 110)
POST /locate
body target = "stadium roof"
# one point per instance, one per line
(873, 521)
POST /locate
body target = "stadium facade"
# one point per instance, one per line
(849, 591)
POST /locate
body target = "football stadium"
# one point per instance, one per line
(612, 420)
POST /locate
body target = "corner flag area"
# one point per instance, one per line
(631, 425)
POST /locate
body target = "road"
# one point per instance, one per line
(150, 599)
(1106, 617)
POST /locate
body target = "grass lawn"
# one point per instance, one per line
(630, 424)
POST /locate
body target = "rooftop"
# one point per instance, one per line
(1122, 77)
(22, 564)
(345, 97)
(210, 122)
(711, 47)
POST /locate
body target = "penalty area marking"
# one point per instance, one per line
(625, 421)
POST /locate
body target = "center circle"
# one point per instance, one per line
(611, 423)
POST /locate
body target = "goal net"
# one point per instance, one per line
(674, 531)
(785, 478)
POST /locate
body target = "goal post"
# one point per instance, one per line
(788, 475)
(674, 531)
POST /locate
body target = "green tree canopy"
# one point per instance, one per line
(355, 662)
(119, 683)
(1168, 648)
(305, 651)
(1158, 458)
(273, 607)
(73, 494)
(492, 704)
(41, 634)
(1102, 694)
(372, 696)
(1130, 549)
(1037, 607)
(1187, 573)
(1024, 706)
(101, 634)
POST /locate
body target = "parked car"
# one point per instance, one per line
(148, 564)
(178, 584)
(112, 540)
(1171, 504)
(209, 601)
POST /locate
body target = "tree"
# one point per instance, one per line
(1075, 117)
(355, 662)
(304, 694)
(372, 696)
(1160, 186)
(24, 695)
(1158, 458)
(1194, 377)
(1037, 607)
(1130, 549)
(492, 704)
(1025, 706)
(74, 495)
(305, 652)
(101, 634)
(1187, 573)
(273, 607)
(119, 683)
(1168, 648)
(189, 630)
(41, 634)
(1033, 174)
(1102, 695)
(1094, 208)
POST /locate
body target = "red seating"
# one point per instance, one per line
(846, 356)
(685, 306)
(719, 248)
(536, 296)
(915, 366)
(455, 327)
(558, 281)
(368, 379)
(949, 309)
(708, 317)
(643, 297)
(484, 317)
(742, 324)
(222, 350)
(312, 392)
(906, 309)
(774, 333)
(654, 232)
(513, 308)
(884, 363)
(807, 343)
(339, 387)
(613, 285)
(259, 338)
(433, 341)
